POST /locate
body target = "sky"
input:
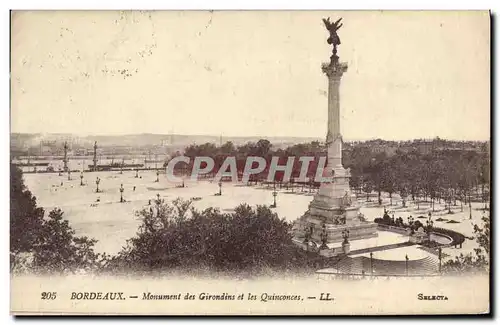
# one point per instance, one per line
(250, 73)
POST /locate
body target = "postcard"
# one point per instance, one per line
(250, 163)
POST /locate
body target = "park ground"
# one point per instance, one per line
(103, 217)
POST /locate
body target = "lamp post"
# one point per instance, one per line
(81, 179)
(410, 224)
(324, 238)
(430, 223)
(345, 235)
(307, 235)
(440, 256)
(275, 193)
(371, 263)
(483, 197)
(121, 193)
(410, 221)
(97, 181)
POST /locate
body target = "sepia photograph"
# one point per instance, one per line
(219, 162)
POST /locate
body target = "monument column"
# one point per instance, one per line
(333, 103)
(334, 72)
(333, 194)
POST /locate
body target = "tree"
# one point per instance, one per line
(483, 235)
(263, 147)
(25, 217)
(367, 188)
(388, 177)
(228, 148)
(59, 250)
(204, 150)
(44, 245)
(355, 182)
(467, 171)
(375, 170)
(175, 235)
(480, 260)
(484, 179)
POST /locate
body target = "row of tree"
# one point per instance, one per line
(447, 175)
(444, 174)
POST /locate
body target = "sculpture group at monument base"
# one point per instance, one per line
(332, 250)
(334, 233)
(317, 231)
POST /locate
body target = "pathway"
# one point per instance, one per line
(380, 248)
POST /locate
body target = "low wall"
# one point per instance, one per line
(355, 276)
(399, 230)
(442, 239)
(457, 238)
(328, 252)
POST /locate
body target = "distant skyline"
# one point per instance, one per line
(229, 137)
(248, 74)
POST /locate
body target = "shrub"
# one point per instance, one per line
(177, 236)
(477, 262)
(39, 244)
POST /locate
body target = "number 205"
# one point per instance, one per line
(49, 295)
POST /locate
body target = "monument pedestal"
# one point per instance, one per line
(331, 214)
(313, 224)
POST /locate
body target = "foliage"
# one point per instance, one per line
(483, 234)
(436, 170)
(39, 244)
(25, 218)
(480, 260)
(176, 236)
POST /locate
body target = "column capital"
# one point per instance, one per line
(334, 71)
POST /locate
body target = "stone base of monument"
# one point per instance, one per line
(335, 250)
(357, 230)
(331, 250)
(315, 226)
